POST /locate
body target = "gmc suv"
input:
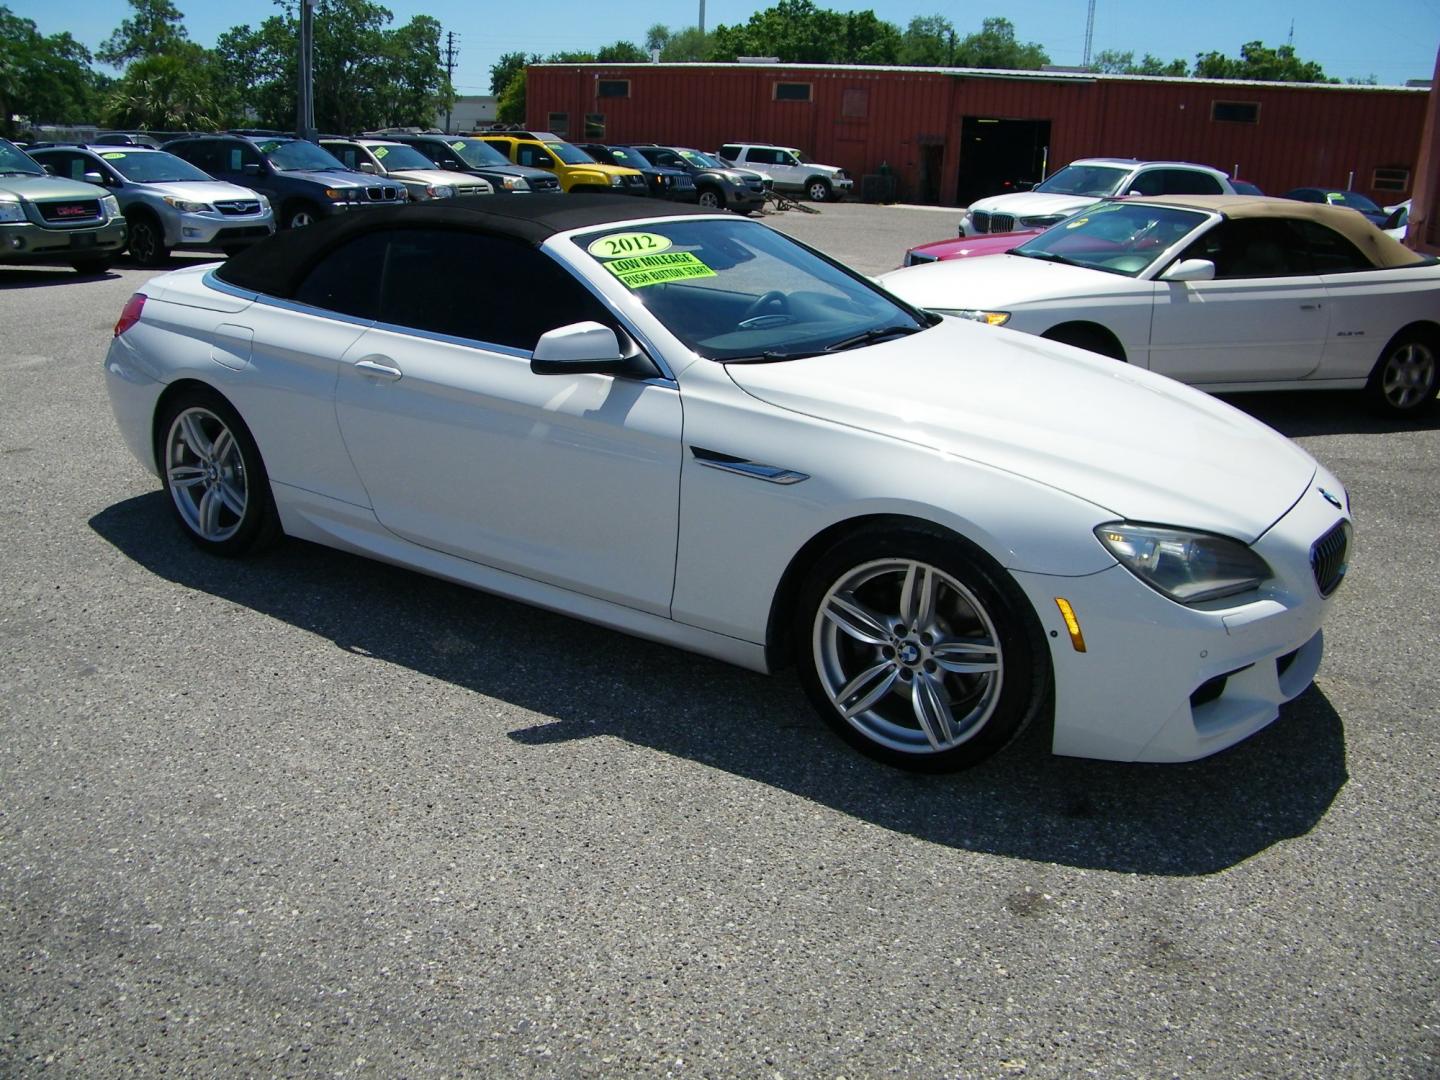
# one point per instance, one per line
(46, 219)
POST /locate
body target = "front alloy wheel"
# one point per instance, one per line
(918, 656)
(1405, 378)
(711, 200)
(818, 190)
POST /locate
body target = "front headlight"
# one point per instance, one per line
(617, 181)
(11, 210)
(1043, 222)
(515, 183)
(187, 207)
(340, 194)
(439, 191)
(990, 318)
(1186, 566)
(264, 203)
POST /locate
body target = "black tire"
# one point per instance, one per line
(977, 618)
(100, 264)
(818, 189)
(1087, 338)
(300, 214)
(218, 487)
(711, 199)
(1406, 377)
(146, 241)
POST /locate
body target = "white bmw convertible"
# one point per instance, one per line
(689, 427)
(1228, 293)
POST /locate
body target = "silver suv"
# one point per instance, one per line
(168, 203)
(404, 164)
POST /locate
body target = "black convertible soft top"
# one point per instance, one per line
(278, 265)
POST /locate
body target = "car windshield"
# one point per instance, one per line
(629, 159)
(1116, 237)
(1354, 200)
(570, 155)
(15, 160)
(155, 167)
(298, 155)
(738, 292)
(704, 161)
(477, 153)
(400, 156)
(1083, 180)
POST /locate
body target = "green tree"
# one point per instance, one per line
(510, 108)
(657, 37)
(929, 41)
(995, 47)
(1258, 61)
(622, 52)
(796, 31)
(47, 80)
(173, 91)
(156, 28)
(1111, 62)
(687, 46)
(506, 68)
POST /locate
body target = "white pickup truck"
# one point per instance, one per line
(790, 170)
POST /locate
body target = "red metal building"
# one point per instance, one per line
(952, 135)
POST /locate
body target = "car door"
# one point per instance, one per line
(1262, 319)
(567, 479)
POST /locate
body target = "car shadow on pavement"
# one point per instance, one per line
(1189, 819)
(1299, 413)
(41, 277)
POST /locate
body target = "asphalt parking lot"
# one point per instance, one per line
(310, 815)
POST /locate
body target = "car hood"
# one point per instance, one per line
(202, 190)
(50, 187)
(967, 247)
(431, 176)
(1142, 447)
(1001, 282)
(1032, 203)
(335, 179)
(739, 176)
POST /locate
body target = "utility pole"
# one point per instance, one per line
(1089, 34)
(450, 55)
(702, 18)
(305, 99)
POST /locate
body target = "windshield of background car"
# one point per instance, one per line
(1353, 200)
(156, 167)
(477, 153)
(629, 159)
(570, 155)
(1083, 180)
(736, 290)
(1116, 237)
(298, 155)
(15, 160)
(704, 161)
(401, 156)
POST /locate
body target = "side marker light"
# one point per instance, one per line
(1072, 624)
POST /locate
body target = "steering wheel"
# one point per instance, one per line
(756, 311)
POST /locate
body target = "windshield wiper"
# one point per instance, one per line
(1044, 256)
(870, 337)
(769, 356)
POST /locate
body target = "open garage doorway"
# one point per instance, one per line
(998, 155)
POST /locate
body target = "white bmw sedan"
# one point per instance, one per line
(689, 427)
(1227, 293)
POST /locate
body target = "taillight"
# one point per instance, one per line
(131, 313)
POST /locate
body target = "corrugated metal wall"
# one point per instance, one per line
(1303, 135)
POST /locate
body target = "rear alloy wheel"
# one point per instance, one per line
(818, 190)
(1406, 377)
(915, 653)
(147, 242)
(212, 471)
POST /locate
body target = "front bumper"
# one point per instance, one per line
(215, 231)
(23, 241)
(1161, 682)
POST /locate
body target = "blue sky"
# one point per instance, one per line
(1391, 40)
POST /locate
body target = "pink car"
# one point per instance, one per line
(965, 247)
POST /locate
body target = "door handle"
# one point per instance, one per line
(377, 369)
(1310, 307)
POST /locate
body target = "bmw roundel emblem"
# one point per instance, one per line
(1331, 499)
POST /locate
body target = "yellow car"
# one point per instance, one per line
(576, 170)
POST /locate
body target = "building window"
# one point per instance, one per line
(613, 88)
(594, 126)
(792, 91)
(559, 124)
(855, 104)
(1391, 180)
(1235, 112)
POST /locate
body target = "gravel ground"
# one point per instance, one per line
(309, 815)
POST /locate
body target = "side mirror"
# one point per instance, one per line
(49, 170)
(1190, 270)
(93, 177)
(577, 349)
(368, 167)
